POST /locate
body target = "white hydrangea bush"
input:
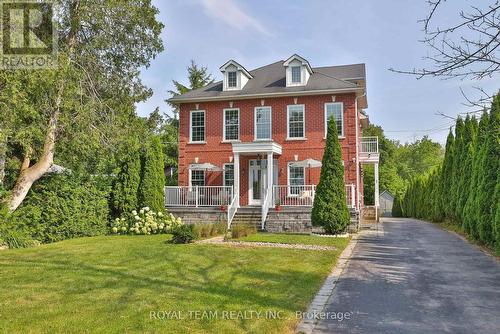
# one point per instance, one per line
(146, 221)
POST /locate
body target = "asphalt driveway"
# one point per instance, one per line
(413, 277)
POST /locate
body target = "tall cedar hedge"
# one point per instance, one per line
(153, 176)
(127, 181)
(330, 206)
(465, 190)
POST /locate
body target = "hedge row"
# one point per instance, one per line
(465, 190)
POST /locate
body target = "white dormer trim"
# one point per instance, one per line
(242, 75)
(305, 70)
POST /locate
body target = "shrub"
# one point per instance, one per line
(13, 238)
(146, 221)
(242, 230)
(153, 176)
(60, 207)
(330, 207)
(126, 183)
(205, 230)
(183, 234)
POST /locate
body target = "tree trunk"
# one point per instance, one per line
(3, 157)
(29, 175)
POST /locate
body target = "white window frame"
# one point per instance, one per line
(228, 81)
(288, 122)
(289, 186)
(191, 177)
(191, 127)
(224, 173)
(342, 135)
(300, 74)
(224, 126)
(270, 124)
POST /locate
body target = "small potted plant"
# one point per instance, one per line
(277, 206)
(223, 208)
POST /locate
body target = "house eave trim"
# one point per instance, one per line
(264, 95)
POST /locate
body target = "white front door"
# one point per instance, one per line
(257, 179)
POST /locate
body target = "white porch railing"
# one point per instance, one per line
(369, 145)
(304, 195)
(266, 204)
(231, 212)
(197, 196)
(294, 195)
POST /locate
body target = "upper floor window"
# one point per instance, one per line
(228, 175)
(231, 124)
(296, 74)
(262, 123)
(335, 110)
(232, 81)
(197, 129)
(197, 178)
(296, 180)
(296, 121)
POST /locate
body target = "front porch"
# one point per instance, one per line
(218, 202)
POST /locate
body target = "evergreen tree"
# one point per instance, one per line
(489, 173)
(126, 183)
(496, 219)
(471, 209)
(151, 190)
(467, 160)
(330, 207)
(446, 175)
(457, 162)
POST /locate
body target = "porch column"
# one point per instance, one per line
(377, 204)
(236, 187)
(270, 172)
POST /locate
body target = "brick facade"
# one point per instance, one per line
(218, 152)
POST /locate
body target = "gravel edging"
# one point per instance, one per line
(318, 304)
(219, 240)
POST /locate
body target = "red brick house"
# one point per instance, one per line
(244, 141)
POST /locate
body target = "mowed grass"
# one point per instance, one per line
(115, 284)
(341, 243)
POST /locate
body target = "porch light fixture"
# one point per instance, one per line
(196, 159)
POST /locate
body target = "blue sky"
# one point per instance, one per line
(382, 34)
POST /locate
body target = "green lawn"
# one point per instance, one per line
(112, 284)
(298, 239)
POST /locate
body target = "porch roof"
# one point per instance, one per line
(257, 147)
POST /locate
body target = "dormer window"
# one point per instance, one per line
(235, 76)
(296, 74)
(297, 71)
(232, 81)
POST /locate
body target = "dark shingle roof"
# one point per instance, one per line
(270, 79)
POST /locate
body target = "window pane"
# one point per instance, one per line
(296, 178)
(198, 126)
(229, 175)
(295, 121)
(335, 110)
(296, 74)
(263, 123)
(231, 79)
(197, 178)
(232, 124)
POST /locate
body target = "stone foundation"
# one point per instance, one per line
(199, 215)
(289, 220)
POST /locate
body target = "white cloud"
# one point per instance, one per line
(229, 12)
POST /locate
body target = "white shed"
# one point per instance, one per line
(386, 201)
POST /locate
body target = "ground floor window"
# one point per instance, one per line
(228, 175)
(197, 178)
(296, 179)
